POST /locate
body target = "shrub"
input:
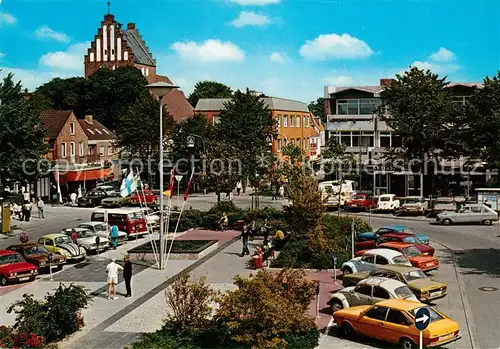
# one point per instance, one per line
(55, 317)
(190, 219)
(224, 206)
(9, 338)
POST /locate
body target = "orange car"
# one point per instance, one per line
(416, 258)
(394, 321)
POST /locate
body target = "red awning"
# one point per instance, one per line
(83, 175)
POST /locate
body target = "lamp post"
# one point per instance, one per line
(191, 143)
(160, 90)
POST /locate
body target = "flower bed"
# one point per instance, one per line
(181, 249)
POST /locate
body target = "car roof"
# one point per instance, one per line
(27, 244)
(6, 252)
(399, 268)
(77, 229)
(91, 223)
(396, 244)
(381, 195)
(413, 197)
(117, 210)
(400, 235)
(53, 236)
(382, 282)
(384, 252)
(401, 304)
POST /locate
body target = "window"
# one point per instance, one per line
(400, 260)
(96, 130)
(279, 144)
(459, 102)
(368, 258)
(285, 121)
(381, 260)
(91, 132)
(356, 139)
(345, 138)
(357, 106)
(110, 150)
(80, 149)
(414, 275)
(379, 292)
(435, 316)
(101, 150)
(297, 122)
(385, 139)
(63, 149)
(72, 149)
(403, 292)
(285, 143)
(396, 141)
(278, 118)
(297, 142)
(49, 242)
(398, 318)
(105, 131)
(411, 251)
(72, 128)
(366, 139)
(475, 209)
(364, 289)
(377, 313)
(292, 121)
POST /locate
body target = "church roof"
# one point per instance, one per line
(141, 52)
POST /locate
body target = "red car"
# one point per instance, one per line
(416, 258)
(362, 201)
(425, 249)
(13, 268)
(147, 195)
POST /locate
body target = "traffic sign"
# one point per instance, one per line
(422, 317)
(178, 178)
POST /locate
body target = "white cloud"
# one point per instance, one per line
(6, 18)
(44, 32)
(436, 67)
(31, 78)
(340, 80)
(255, 2)
(278, 57)
(250, 18)
(209, 51)
(443, 55)
(335, 46)
(69, 60)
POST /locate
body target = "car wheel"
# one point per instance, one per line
(3, 280)
(347, 330)
(32, 278)
(487, 222)
(446, 221)
(407, 343)
(337, 305)
(347, 270)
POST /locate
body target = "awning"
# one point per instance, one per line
(83, 175)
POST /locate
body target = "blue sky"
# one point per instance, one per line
(286, 48)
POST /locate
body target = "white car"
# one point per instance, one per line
(152, 217)
(388, 202)
(87, 239)
(102, 230)
(370, 291)
(374, 258)
(415, 204)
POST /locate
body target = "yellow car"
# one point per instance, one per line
(62, 244)
(394, 321)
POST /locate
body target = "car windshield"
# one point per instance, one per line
(35, 250)
(100, 227)
(403, 292)
(412, 201)
(11, 259)
(407, 230)
(400, 260)
(411, 240)
(85, 234)
(62, 240)
(359, 197)
(435, 316)
(385, 198)
(411, 251)
(414, 275)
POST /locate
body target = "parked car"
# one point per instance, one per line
(362, 201)
(440, 205)
(393, 321)
(143, 196)
(38, 255)
(151, 216)
(388, 202)
(62, 244)
(401, 229)
(13, 268)
(415, 204)
(335, 193)
(87, 239)
(370, 291)
(469, 213)
(115, 200)
(94, 197)
(131, 221)
(424, 288)
(103, 230)
(425, 249)
(410, 251)
(373, 258)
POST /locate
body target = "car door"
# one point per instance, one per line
(379, 294)
(477, 215)
(49, 245)
(361, 295)
(381, 260)
(463, 215)
(398, 325)
(372, 323)
(367, 262)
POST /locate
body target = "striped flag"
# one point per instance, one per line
(188, 185)
(129, 185)
(171, 184)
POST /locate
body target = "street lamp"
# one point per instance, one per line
(160, 90)
(191, 143)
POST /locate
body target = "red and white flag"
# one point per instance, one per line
(171, 184)
(186, 193)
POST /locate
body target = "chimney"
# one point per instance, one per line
(131, 26)
(386, 82)
(89, 119)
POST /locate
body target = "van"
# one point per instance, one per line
(331, 190)
(132, 222)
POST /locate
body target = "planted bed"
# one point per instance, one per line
(181, 249)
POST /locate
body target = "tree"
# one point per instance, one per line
(21, 134)
(209, 89)
(268, 307)
(66, 94)
(335, 158)
(416, 106)
(317, 108)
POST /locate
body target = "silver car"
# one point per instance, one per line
(370, 291)
(87, 239)
(415, 204)
(103, 229)
(469, 213)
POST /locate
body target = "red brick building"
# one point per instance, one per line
(114, 46)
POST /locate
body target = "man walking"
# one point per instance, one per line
(112, 270)
(40, 205)
(244, 238)
(238, 188)
(127, 275)
(113, 235)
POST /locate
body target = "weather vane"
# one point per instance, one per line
(109, 7)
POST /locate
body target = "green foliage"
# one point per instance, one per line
(65, 94)
(21, 134)
(209, 89)
(335, 157)
(55, 317)
(317, 109)
(224, 206)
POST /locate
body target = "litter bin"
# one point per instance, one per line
(257, 262)
(6, 219)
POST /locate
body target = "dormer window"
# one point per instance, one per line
(91, 132)
(105, 131)
(96, 130)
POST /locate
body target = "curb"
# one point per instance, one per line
(401, 218)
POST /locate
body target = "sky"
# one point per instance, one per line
(283, 48)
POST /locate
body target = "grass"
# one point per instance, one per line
(180, 246)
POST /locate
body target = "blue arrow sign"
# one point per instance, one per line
(422, 318)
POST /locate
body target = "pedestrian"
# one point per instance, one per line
(112, 270)
(238, 188)
(253, 230)
(282, 191)
(265, 229)
(113, 236)
(27, 211)
(73, 197)
(41, 208)
(276, 191)
(127, 275)
(26, 196)
(244, 238)
(223, 222)
(24, 237)
(74, 236)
